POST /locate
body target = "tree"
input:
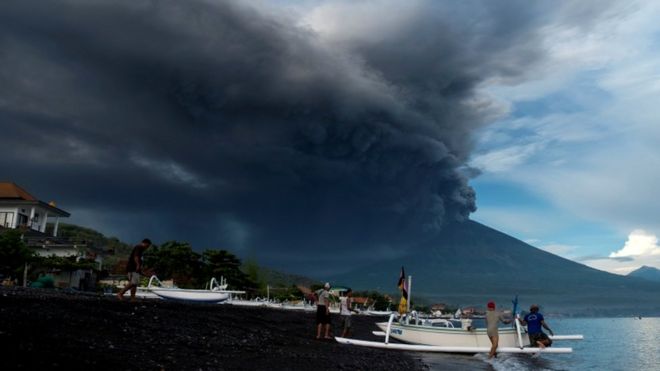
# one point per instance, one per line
(14, 253)
(287, 293)
(221, 263)
(376, 299)
(253, 271)
(175, 260)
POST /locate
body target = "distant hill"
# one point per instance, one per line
(647, 273)
(469, 263)
(112, 249)
(274, 277)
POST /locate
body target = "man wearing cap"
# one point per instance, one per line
(323, 312)
(493, 318)
(535, 322)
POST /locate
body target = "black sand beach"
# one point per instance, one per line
(47, 329)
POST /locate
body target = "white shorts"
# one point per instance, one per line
(134, 278)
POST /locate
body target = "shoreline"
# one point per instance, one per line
(63, 330)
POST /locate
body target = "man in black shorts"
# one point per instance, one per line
(323, 312)
(535, 323)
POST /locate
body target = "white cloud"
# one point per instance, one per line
(640, 249)
(348, 20)
(559, 249)
(640, 243)
(505, 159)
(593, 153)
(170, 170)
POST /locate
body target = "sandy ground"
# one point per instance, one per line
(47, 329)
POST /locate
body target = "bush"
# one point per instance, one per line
(44, 282)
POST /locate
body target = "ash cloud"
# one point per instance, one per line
(223, 124)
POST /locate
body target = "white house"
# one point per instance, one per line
(18, 209)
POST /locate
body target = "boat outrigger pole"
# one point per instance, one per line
(516, 319)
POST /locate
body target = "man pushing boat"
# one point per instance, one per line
(535, 324)
(493, 318)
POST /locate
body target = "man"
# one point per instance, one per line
(345, 312)
(493, 318)
(535, 322)
(134, 269)
(323, 312)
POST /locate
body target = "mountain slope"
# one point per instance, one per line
(647, 273)
(469, 263)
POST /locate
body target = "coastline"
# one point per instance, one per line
(64, 330)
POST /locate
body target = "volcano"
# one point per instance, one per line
(469, 263)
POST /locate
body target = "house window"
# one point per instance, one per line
(6, 219)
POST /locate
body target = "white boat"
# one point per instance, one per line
(216, 292)
(442, 335)
(247, 303)
(447, 349)
(377, 313)
(145, 293)
(206, 296)
(299, 305)
(442, 332)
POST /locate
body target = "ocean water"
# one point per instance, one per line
(609, 344)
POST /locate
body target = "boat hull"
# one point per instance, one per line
(448, 349)
(449, 337)
(205, 296)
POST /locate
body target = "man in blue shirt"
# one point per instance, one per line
(535, 322)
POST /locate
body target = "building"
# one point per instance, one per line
(21, 210)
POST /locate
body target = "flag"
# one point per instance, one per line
(515, 305)
(403, 286)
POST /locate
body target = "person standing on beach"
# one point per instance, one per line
(535, 324)
(493, 318)
(323, 312)
(345, 312)
(134, 269)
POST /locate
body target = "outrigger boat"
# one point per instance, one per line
(216, 292)
(440, 335)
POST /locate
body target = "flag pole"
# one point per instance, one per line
(409, 291)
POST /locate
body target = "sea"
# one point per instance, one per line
(609, 344)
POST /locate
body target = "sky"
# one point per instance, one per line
(297, 132)
(571, 168)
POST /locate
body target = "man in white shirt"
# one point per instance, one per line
(345, 312)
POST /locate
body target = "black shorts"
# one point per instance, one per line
(322, 315)
(533, 338)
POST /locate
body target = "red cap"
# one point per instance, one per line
(491, 304)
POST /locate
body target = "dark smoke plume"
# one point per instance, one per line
(223, 124)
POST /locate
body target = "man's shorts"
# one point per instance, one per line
(322, 315)
(533, 338)
(134, 278)
(346, 321)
